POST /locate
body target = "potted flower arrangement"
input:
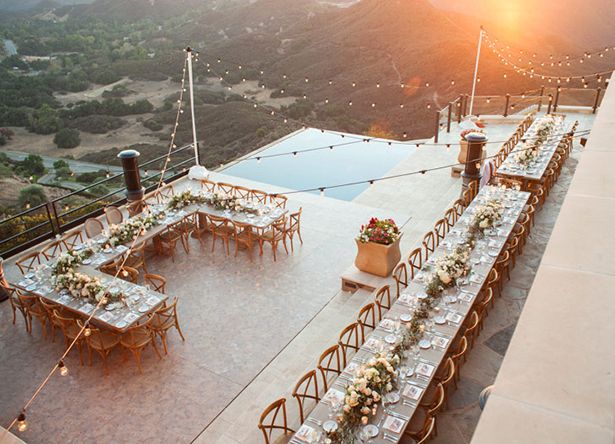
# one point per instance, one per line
(378, 247)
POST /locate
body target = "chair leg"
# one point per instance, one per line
(179, 330)
(299, 234)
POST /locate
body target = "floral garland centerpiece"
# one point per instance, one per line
(223, 201)
(69, 260)
(184, 199)
(447, 270)
(383, 231)
(527, 155)
(127, 231)
(486, 216)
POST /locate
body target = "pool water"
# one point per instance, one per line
(322, 168)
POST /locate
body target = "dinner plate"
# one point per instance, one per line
(425, 343)
(392, 397)
(371, 431)
(86, 261)
(31, 287)
(439, 320)
(390, 339)
(329, 426)
(421, 295)
(121, 324)
(406, 317)
(143, 308)
(29, 275)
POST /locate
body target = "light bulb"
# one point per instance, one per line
(322, 192)
(63, 368)
(22, 424)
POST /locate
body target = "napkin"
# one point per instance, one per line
(424, 369)
(412, 392)
(393, 424)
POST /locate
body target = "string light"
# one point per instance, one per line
(63, 368)
(22, 424)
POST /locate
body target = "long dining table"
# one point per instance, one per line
(445, 322)
(535, 171)
(139, 301)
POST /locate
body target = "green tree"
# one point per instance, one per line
(44, 120)
(31, 166)
(32, 196)
(67, 138)
(60, 164)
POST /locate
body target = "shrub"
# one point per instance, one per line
(63, 173)
(90, 177)
(96, 124)
(32, 195)
(44, 120)
(31, 166)
(60, 164)
(67, 138)
(153, 125)
(99, 190)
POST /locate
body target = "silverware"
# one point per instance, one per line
(314, 421)
(388, 437)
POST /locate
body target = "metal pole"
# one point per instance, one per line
(550, 104)
(557, 91)
(596, 101)
(448, 120)
(480, 41)
(194, 141)
(506, 105)
(542, 93)
(437, 126)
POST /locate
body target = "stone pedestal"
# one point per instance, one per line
(471, 172)
(132, 175)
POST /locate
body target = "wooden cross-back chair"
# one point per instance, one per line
(440, 230)
(350, 340)
(400, 274)
(294, 227)
(93, 227)
(71, 240)
(226, 188)
(29, 262)
(330, 362)
(208, 185)
(429, 243)
(368, 318)
(305, 390)
(274, 419)
(259, 196)
(278, 200)
(415, 261)
(113, 215)
(54, 249)
(383, 297)
(243, 192)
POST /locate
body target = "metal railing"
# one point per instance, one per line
(52, 218)
(549, 100)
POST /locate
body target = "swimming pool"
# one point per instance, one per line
(350, 163)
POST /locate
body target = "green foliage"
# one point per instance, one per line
(111, 107)
(63, 173)
(3, 140)
(99, 190)
(117, 91)
(5, 170)
(31, 166)
(300, 109)
(14, 116)
(44, 120)
(153, 125)
(32, 196)
(67, 138)
(104, 77)
(91, 177)
(14, 61)
(96, 124)
(60, 164)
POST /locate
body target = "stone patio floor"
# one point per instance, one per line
(254, 327)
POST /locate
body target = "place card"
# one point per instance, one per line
(394, 424)
(372, 344)
(106, 316)
(152, 300)
(352, 368)
(439, 341)
(412, 392)
(387, 324)
(333, 396)
(465, 297)
(131, 317)
(65, 299)
(454, 317)
(405, 299)
(305, 433)
(424, 369)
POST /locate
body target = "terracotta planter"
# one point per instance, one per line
(376, 258)
(463, 152)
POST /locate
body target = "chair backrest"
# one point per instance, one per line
(415, 260)
(156, 282)
(217, 222)
(28, 300)
(64, 321)
(274, 419)
(165, 192)
(29, 262)
(129, 274)
(451, 217)
(111, 267)
(383, 297)
(330, 361)
(350, 339)
(208, 185)
(367, 318)
(440, 229)
(226, 188)
(113, 215)
(93, 227)
(472, 324)
(429, 244)
(400, 274)
(278, 200)
(166, 313)
(71, 240)
(243, 192)
(136, 207)
(459, 206)
(259, 196)
(449, 376)
(461, 351)
(492, 278)
(54, 249)
(438, 400)
(305, 390)
(294, 221)
(49, 306)
(427, 430)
